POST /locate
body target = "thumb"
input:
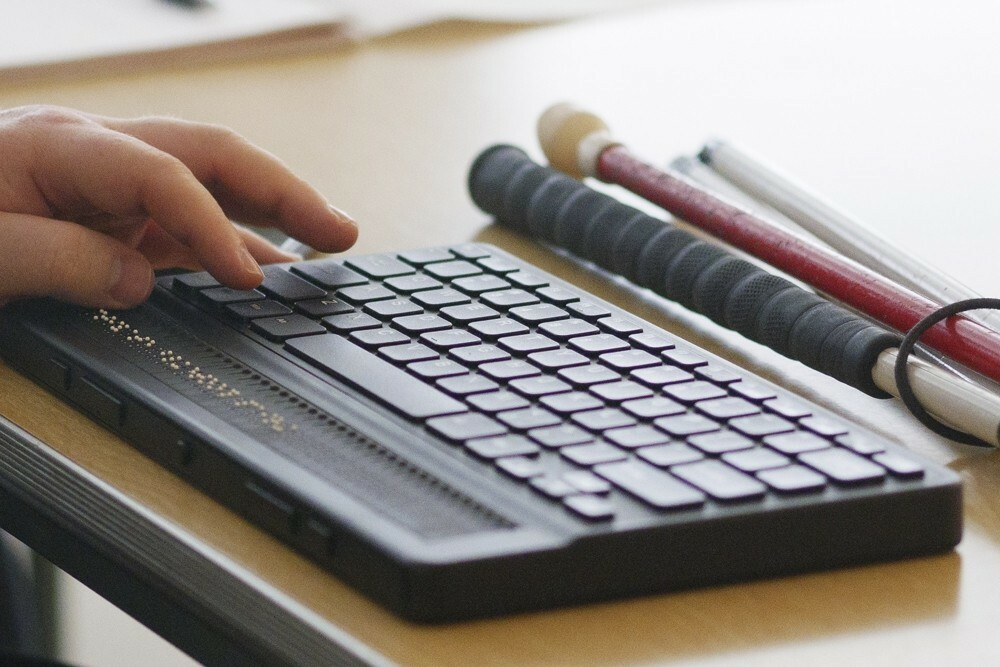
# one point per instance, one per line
(45, 257)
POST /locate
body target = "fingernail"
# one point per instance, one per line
(344, 217)
(250, 264)
(131, 281)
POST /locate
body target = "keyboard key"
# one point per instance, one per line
(493, 329)
(602, 420)
(752, 391)
(500, 265)
(652, 342)
(824, 426)
(792, 479)
(787, 408)
(538, 313)
(439, 298)
(632, 437)
(459, 428)
(623, 390)
(433, 369)
(282, 285)
(863, 445)
(594, 508)
(470, 312)
(629, 360)
(389, 308)
(562, 435)
(552, 486)
(716, 374)
(379, 266)
(329, 274)
(411, 284)
(650, 485)
(251, 310)
(497, 401)
(504, 299)
(404, 354)
(323, 307)
(664, 456)
(527, 343)
(756, 459)
(464, 385)
(480, 284)
(757, 426)
(566, 329)
(585, 376)
(727, 408)
(362, 294)
(501, 445)
(598, 344)
(587, 310)
(418, 324)
(557, 295)
(286, 326)
(524, 279)
(222, 296)
(449, 338)
(424, 256)
(684, 358)
(535, 387)
(620, 326)
(796, 442)
(720, 481)
(520, 467)
(694, 391)
(376, 338)
(574, 401)
(900, 465)
(458, 268)
(363, 370)
(587, 482)
(843, 466)
(655, 406)
(348, 322)
(192, 283)
(509, 370)
(593, 453)
(470, 251)
(721, 442)
(474, 355)
(528, 418)
(553, 360)
(681, 426)
(658, 376)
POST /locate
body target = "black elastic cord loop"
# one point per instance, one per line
(902, 377)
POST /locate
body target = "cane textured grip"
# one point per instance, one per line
(701, 276)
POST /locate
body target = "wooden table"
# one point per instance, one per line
(889, 110)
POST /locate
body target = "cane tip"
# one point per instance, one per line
(564, 130)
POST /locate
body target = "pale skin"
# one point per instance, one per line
(90, 206)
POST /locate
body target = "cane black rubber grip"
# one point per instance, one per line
(702, 276)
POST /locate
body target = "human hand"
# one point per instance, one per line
(90, 206)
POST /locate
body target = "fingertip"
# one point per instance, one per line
(340, 231)
(253, 274)
(131, 280)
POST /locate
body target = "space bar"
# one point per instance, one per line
(378, 378)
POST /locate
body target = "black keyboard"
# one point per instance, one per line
(531, 405)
